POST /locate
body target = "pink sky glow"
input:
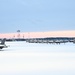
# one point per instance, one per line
(38, 34)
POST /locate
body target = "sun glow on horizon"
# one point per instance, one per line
(38, 34)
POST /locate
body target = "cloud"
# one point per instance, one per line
(35, 21)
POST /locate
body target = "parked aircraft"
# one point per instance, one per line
(2, 44)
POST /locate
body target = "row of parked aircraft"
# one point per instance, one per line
(3, 45)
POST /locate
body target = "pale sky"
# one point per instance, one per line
(36, 15)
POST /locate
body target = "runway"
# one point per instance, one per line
(23, 58)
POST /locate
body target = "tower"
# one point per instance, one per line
(18, 35)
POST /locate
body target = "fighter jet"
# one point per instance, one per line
(2, 44)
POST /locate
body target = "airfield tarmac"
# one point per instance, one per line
(23, 58)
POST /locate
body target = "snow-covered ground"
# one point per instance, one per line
(23, 58)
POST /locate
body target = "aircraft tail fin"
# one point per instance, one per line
(3, 41)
